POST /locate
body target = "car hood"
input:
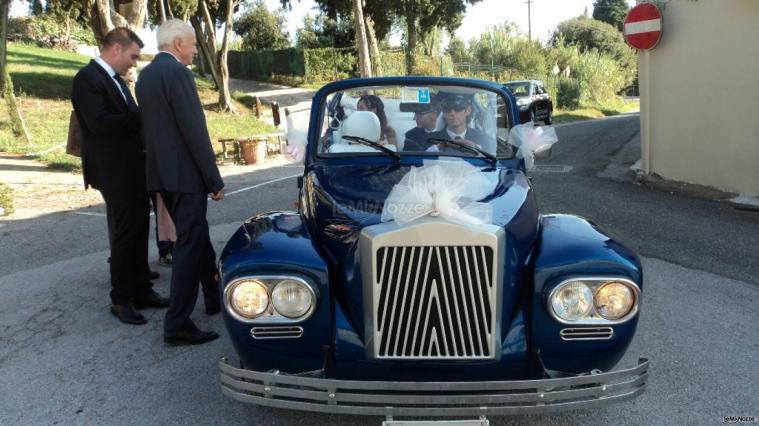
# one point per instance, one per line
(342, 200)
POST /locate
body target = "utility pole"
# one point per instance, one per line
(529, 19)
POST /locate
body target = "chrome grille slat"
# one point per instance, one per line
(455, 296)
(464, 303)
(473, 300)
(444, 285)
(407, 331)
(395, 296)
(426, 311)
(419, 310)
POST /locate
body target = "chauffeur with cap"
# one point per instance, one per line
(457, 111)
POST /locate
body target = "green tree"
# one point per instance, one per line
(262, 29)
(36, 8)
(458, 50)
(613, 12)
(503, 46)
(322, 31)
(420, 17)
(592, 35)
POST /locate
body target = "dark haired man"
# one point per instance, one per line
(113, 162)
(426, 121)
(457, 111)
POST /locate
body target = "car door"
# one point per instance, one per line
(539, 100)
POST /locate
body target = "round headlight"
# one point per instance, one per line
(614, 300)
(572, 301)
(249, 298)
(291, 298)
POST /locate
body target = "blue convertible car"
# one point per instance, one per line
(418, 277)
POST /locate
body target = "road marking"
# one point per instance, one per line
(248, 188)
(551, 168)
(90, 214)
(261, 184)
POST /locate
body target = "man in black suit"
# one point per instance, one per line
(181, 165)
(113, 162)
(457, 111)
(426, 121)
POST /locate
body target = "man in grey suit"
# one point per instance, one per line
(181, 165)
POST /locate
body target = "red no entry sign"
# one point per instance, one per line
(643, 26)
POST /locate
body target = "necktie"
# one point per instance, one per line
(125, 90)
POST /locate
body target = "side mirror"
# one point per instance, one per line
(543, 152)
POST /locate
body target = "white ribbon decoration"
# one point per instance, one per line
(448, 188)
(529, 139)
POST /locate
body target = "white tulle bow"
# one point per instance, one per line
(529, 138)
(449, 188)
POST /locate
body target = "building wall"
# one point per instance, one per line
(700, 95)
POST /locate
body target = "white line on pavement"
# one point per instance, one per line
(248, 188)
(90, 214)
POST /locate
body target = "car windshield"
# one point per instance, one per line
(403, 120)
(519, 89)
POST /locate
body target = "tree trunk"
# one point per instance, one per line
(364, 62)
(207, 49)
(168, 9)
(225, 99)
(411, 39)
(132, 14)
(161, 11)
(373, 47)
(105, 17)
(101, 20)
(4, 6)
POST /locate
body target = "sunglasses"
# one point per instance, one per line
(424, 112)
(456, 107)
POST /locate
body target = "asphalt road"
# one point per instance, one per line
(65, 360)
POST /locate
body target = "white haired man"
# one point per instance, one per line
(181, 166)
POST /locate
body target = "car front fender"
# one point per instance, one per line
(572, 247)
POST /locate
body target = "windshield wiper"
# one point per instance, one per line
(465, 147)
(374, 145)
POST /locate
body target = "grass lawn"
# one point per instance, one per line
(587, 113)
(42, 82)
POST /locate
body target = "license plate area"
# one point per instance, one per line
(478, 422)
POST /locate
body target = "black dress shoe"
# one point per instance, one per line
(153, 275)
(151, 299)
(125, 313)
(189, 337)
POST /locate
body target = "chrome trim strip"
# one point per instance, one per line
(283, 332)
(432, 399)
(270, 316)
(587, 333)
(595, 283)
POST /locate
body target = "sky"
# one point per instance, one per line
(546, 15)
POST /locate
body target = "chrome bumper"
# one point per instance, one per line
(432, 399)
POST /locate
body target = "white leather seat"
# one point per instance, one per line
(363, 124)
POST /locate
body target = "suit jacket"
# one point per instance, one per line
(471, 134)
(113, 157)
(416, 140)
(179, 153)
